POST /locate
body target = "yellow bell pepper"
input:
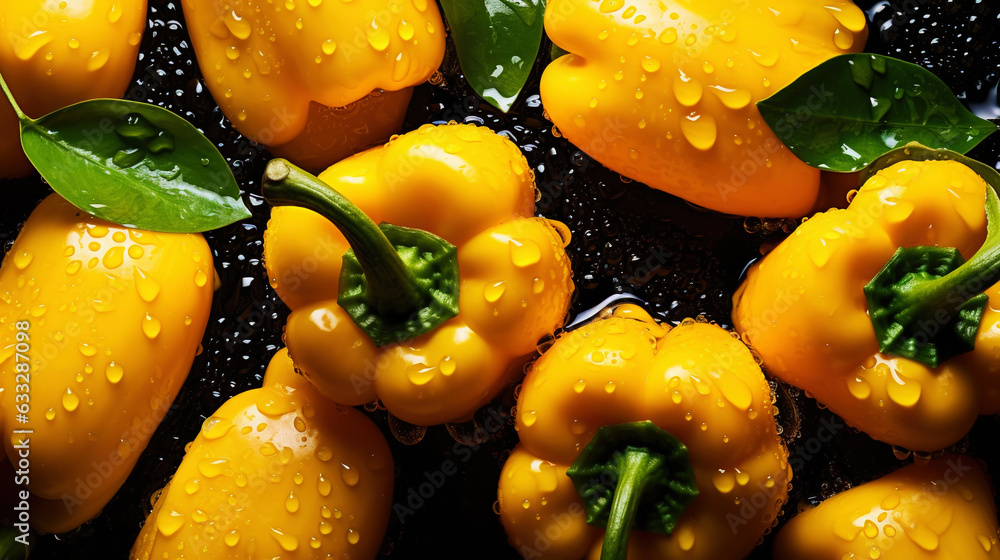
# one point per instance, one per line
(99, 325)
(666, 92)
(695, 381)
(315, 81)
(276, 472)
(803, 308)
(943, 509)
(55, 54)
(474, 189)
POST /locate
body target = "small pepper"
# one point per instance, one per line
(55, 54)
(99, 325)
(315, 81)
(463, 183)
(943, 509)
(666, 92)
(276, 472)
(804, 309)
(600, 415)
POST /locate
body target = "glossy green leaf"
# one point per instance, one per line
(851, 109)
(133, 164)
(497, 43)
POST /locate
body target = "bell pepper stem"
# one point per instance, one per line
(636, 470)
(392, 286)
(13, 103)
(924, 299)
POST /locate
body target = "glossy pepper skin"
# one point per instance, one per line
(474, 189)
(276, 472)
(695, 381)
(315, 81)
(115, 317)
(55, 54)
(665, 92)
(803, 309)
(940, 510)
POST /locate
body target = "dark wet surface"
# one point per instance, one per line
(627, 239)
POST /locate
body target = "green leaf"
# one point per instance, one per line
(497, 43)
(134, 164)
(926, 304)
(851, 109)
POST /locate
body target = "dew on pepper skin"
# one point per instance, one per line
(324, 454)
(378, 37)
(73, 267)
(114, 372)
(291, 503)
(232, 538)
(524, 253)
(147, 287)
(212, 468)
(239, 27)
(150, 326)
(22, 259)
(169, 522)
(699, 130)
(323, 486)
(288, 543)
(352, 536)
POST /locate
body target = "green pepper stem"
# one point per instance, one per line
(638, 466)
(392, 286)
(13, 103)
(948, 293)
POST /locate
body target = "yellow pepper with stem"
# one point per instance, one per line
(665, 92)
(315, 81)
(803, 307)
(99, 325)
(710, 495)
(55, 54)
(940, 510)
(473, 191)
(276, 472)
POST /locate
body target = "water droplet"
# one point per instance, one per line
(349, 475)
(687, 91)
(323, 486)
(447, 365)
(524, 253)
(291, 503)
(419, 374)
(732, 98)
(50, 414)
(579, 386)
(324, 454)
(860, 388)
(329, 47)
(493, 292)
(700, 130)
(724, 482)
(114, 372)
(650, 64)
(843, 39)
(268, 449)
(191, 486)
(870, 529)
(169, 522)
(25, 49)
(903, 391)
(922, 536)
(147, 287)
(232, 52)
(73, 43)
(287, 542)
(22, 259)
(98, 59)
(212, 468)
(232, 538)
(239, 27)
(353, 536)
(150, 326)
(87, 349)
(528, 418)
(378, 37)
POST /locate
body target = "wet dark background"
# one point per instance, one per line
(628, 240)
